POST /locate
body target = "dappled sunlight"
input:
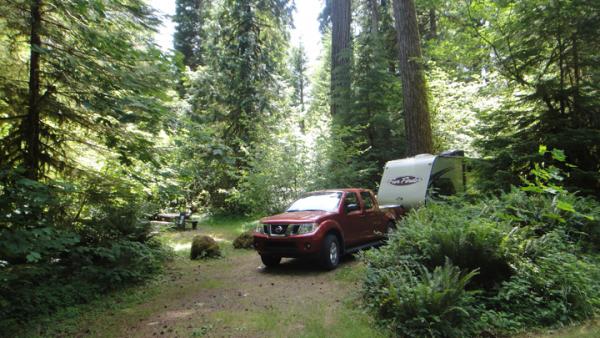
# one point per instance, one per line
(178, 314)
(219, 239)
(180, 246)
(150, 160)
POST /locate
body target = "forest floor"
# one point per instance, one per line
(234, 296)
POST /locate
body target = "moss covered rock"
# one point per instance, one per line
(204, 246)
(244, 241)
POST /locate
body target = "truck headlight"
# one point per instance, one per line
(260, 228)
(306, 228)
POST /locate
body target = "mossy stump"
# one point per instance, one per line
(244, 241)
(204, 246)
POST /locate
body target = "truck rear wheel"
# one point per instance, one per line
(391, 226)
(270, 261)
(330, 253)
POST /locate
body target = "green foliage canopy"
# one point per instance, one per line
(101, 81)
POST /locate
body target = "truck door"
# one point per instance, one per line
(373, 226)
(353, 220)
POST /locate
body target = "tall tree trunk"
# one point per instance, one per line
(32, 123)
(414, 91)
(561, 67)
(302, 91)
(580, 119)
(432, 24)
(374, 8)
(340, 55)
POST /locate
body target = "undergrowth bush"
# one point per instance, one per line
(442, 233)
(244, 241)
(535, 250)
(204, 247)
(62, 244)
(415, 302)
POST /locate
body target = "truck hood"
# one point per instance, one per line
(297, 217)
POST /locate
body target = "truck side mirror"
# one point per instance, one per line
(352, 207)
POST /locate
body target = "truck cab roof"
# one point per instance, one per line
(356, 190)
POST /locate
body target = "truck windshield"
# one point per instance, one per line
(327, 201)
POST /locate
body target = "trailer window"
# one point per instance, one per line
(368, 199)
(441, 187)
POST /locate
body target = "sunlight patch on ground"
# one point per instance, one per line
(180, 246)
(173, 315)
(218, 239)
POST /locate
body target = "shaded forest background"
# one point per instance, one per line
(100, 129)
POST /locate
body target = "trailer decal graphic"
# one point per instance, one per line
(405, 180)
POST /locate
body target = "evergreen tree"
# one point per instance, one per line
(298, 76)
(93, 79)
(548, 52)
(190, 37)
(234, 101)
(378, 102)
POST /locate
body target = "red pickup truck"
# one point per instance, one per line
(324, 225)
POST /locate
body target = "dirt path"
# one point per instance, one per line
(242, 287)
(234, 296)
(238, 297)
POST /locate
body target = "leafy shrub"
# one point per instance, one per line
(116, 262)
(66, 243)
(552, 284)
(537, 262)
(244, 241)
(419, 303)
(204, 246)
(541, 214)
(439, 232)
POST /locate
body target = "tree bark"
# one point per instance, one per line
(416, 110)
(340, 55)
(374, 8)
(32, 123)
(432, 24)
(580, 119)
(302, 91)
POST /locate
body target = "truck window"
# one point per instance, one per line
(367, 199)
(326, 201)
(351, 202)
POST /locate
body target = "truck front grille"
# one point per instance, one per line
(281, 230)
(278, 230)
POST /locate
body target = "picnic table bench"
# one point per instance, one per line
(178, 218)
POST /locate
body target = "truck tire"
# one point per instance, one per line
(270, 261)
(330, 253)
(391, 226)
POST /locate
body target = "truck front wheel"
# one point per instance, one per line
(270, 261)
(330, 254)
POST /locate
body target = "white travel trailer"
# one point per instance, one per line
(410, 182)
